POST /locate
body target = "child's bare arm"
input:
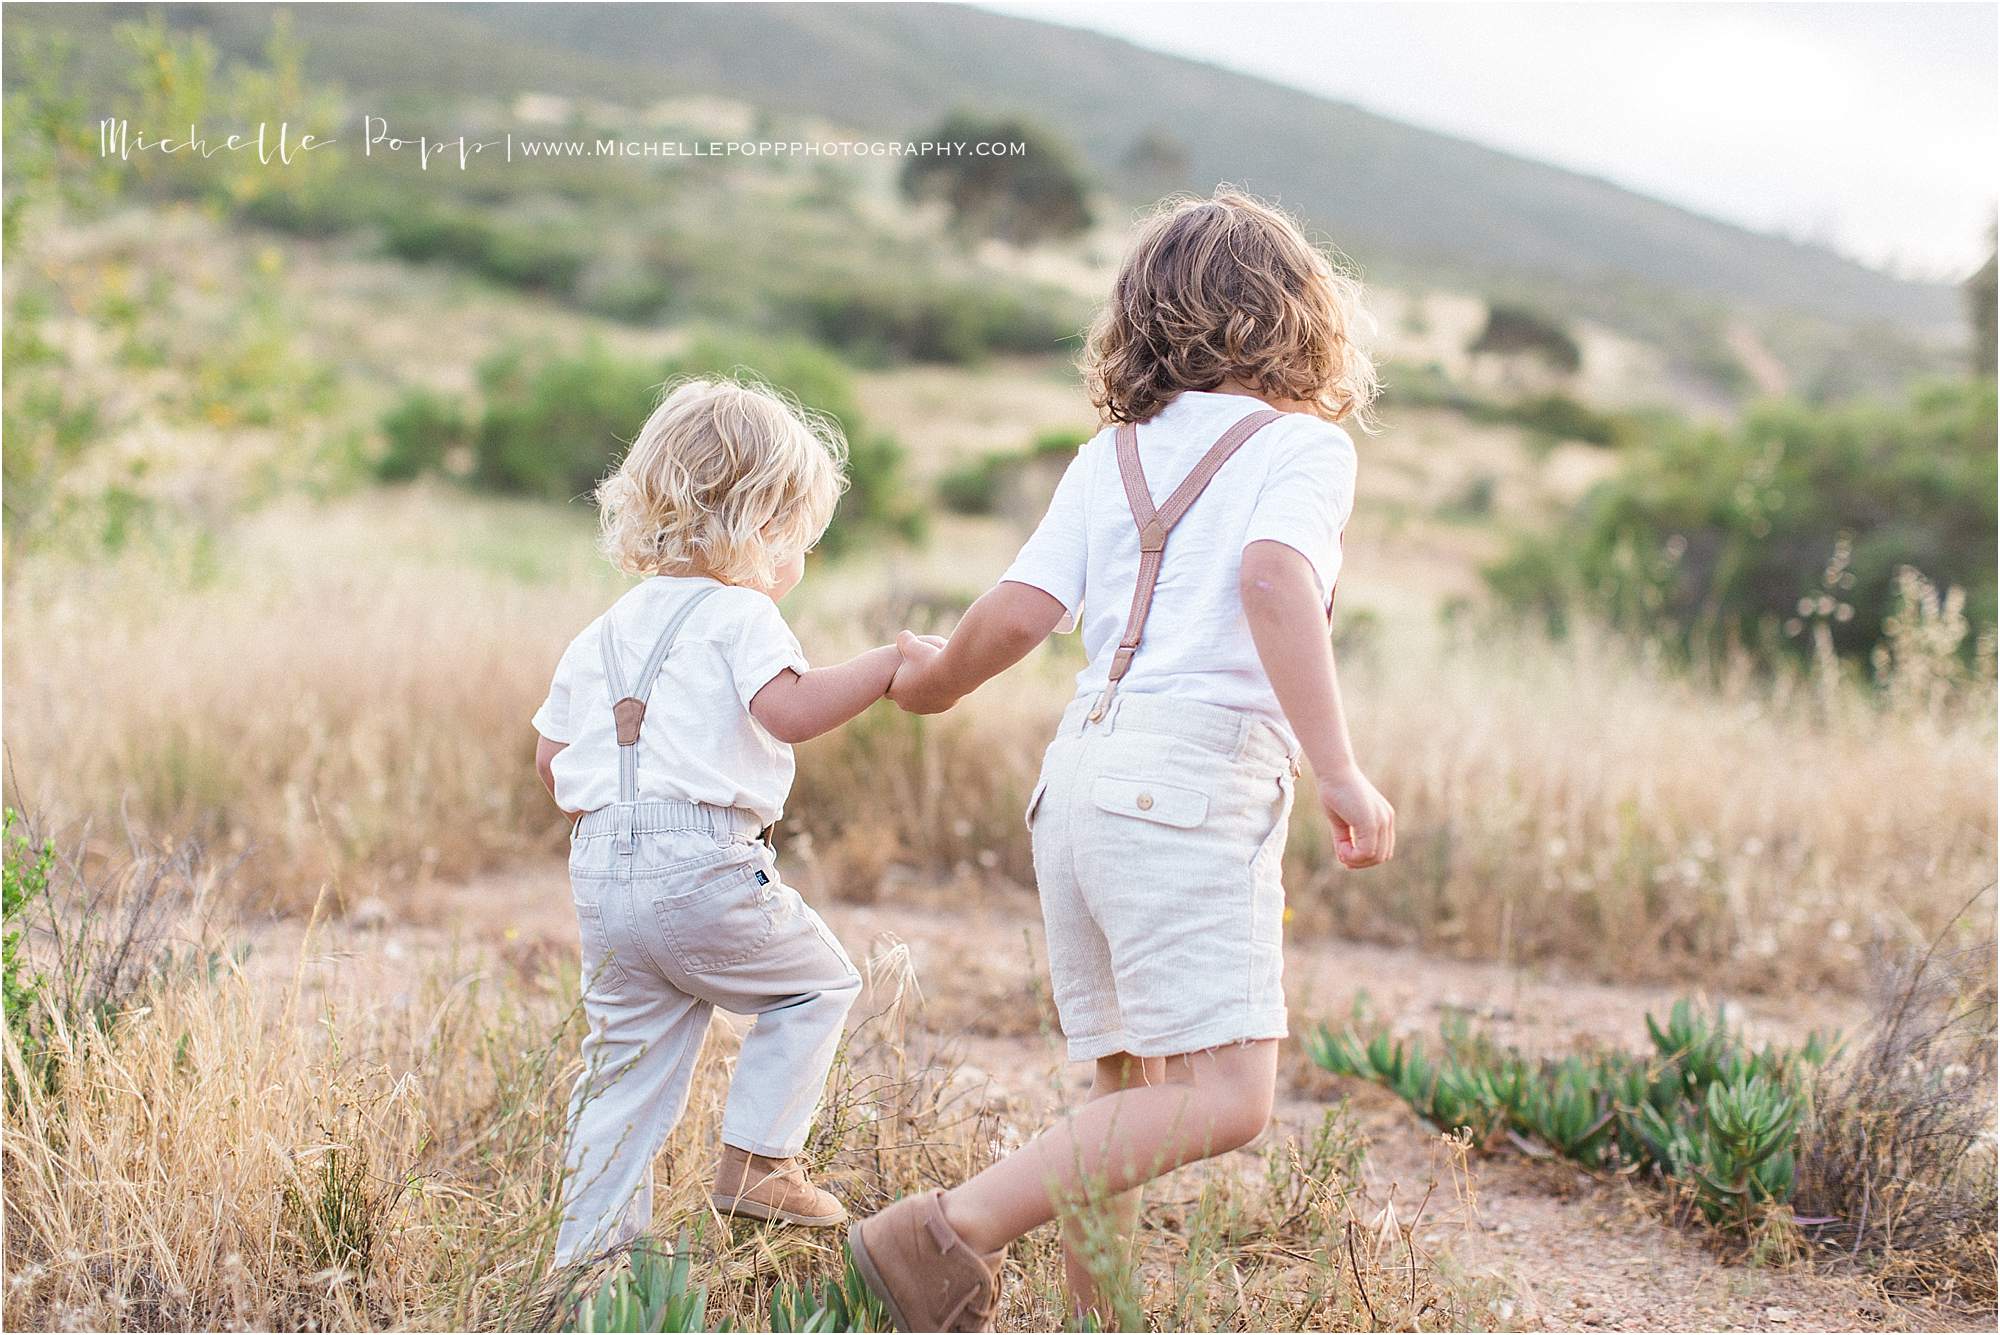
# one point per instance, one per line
(545, 759)
(995, 633)
(798, 706)
(1287, 622)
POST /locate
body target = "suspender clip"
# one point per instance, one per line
(629, 713)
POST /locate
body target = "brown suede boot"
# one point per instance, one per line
(774, 1190)
(922, 1270)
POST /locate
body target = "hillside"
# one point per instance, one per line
(1399, 198)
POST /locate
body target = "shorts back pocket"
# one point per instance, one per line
(1150, 800)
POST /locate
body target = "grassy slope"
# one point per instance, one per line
(1393, 194)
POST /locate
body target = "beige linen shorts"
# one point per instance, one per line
(1159, 838)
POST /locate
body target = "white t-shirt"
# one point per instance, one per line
(1292, 482)
(699, 742)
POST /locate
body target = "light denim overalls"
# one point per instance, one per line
(681, 912)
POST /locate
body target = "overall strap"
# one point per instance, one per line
(1155, 524)
(629, 710)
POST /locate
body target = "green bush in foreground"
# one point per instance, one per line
(656, 1291)
(1703, 1111)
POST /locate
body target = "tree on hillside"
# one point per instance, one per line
(1001, 178)
(1982, 298)
(1513, 330)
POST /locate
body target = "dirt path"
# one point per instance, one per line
(1572, 1252)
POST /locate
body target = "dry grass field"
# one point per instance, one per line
(309, 912)
(348, 1114)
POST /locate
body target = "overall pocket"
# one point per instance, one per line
(603, 975)
(721, 922)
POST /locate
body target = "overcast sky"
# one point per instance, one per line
(1872, 127)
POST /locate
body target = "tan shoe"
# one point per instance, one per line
(920, 1268)
(774, 1190)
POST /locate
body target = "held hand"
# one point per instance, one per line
(1364, 824)
(914, 687)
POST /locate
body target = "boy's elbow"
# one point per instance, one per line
(781, 709)
(1022, 633)
(1270, 577)
(782, 718)
(790, 731)
(1026, 615)
(1258, 590)
(780, 724)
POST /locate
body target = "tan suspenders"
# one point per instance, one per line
(1155, 524)
(628, 711)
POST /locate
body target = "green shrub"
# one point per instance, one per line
(422, 430)
(537, 258)
(1560, 417)
(1742, 531)
(334, 1209)
(926, 321)
(1554, 415)
(24, 879)
(1422, 385)
(657, 1291)
(973, 487)
(1703, 1111)
(633, 292)
(838, 1304)
(1474, 500)
(326, 207)
(1050, 444)
(111, 936)
(877, 499)
(550, 425)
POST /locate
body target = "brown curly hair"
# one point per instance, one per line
(1227, 288)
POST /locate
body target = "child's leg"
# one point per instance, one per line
(638, 1065)
(1117, 1219)
(1209, 1103)
(799, 984)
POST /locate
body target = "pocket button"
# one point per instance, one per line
(1145, 802)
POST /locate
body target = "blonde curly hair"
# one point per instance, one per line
(728, 478)
(1227, 288)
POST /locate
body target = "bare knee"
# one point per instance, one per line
(1241, 1117)
(1238, 1086)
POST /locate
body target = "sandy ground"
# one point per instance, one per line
(1569, 1251)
